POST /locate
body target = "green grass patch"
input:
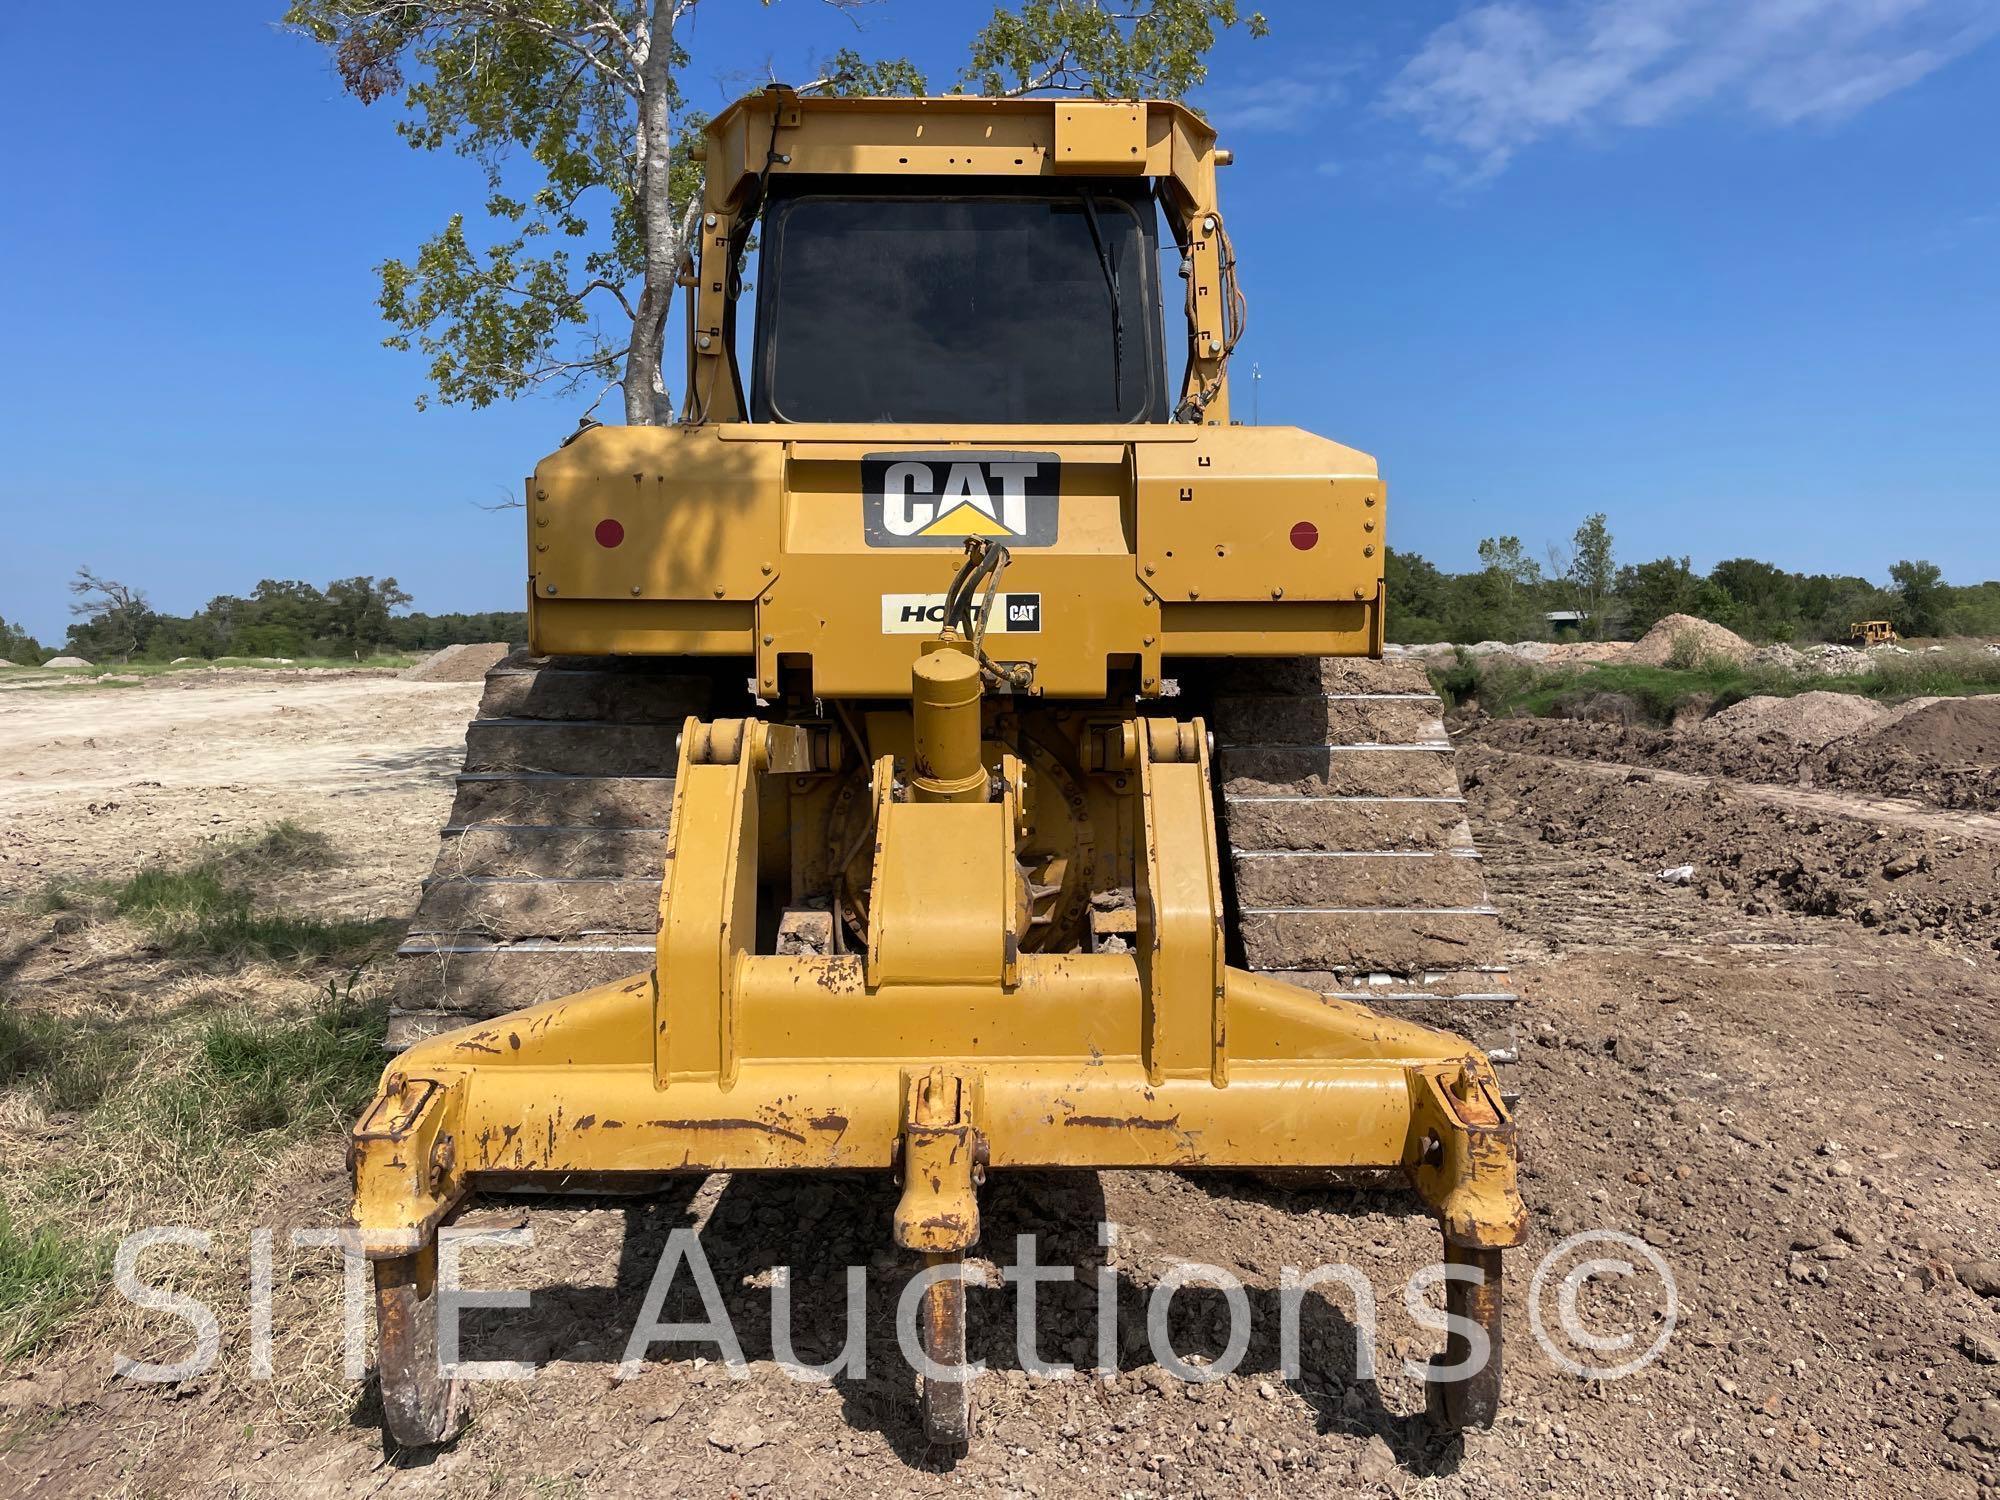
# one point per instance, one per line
(108, 675)
(218, 1097)
(46, 1277)
(1506, 686)
(210, 908)
(255, 1074)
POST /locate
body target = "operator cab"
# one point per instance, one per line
(900, 300)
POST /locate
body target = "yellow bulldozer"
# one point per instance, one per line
(955, 747)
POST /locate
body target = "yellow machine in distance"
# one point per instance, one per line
(955, 747)
(1865, 633)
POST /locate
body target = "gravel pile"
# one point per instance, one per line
(67, 661)
(1807, 719)
(1686, 638)
(465, 663)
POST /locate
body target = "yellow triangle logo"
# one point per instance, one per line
(966, 519)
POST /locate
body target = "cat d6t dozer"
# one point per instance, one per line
(1012, 731)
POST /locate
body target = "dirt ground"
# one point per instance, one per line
(1773, 1073)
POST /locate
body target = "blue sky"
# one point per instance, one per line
(1727, 270)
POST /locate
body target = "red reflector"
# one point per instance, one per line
(1305, 536)
(610, 534)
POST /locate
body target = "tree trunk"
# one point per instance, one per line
(646, 402)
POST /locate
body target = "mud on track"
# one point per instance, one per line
(1775, 1076)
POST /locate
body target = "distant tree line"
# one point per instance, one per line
(1506, 598)
(350, 617)
(1510, 594)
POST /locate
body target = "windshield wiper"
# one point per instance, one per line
(1117, 301)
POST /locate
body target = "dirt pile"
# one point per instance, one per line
(1580, 652)
(1553, 653)
(1766, 857)
(1949, 731)
(67, 661)
(1910, 754)
(464, 663)
(1808, 719)
(1683, 638)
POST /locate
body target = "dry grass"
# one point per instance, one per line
(204, 1086)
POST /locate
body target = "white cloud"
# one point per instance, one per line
(1281, 102)
(1504, 75)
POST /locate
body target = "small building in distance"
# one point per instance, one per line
(1564, 623)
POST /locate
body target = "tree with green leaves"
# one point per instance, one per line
(1922, 597)
(358, 611)
(1653, 590)
(113, 620)
(17, 646)
(1420, 597)
(1766, 598)
(1592, 571)
(1505, 594)
(574, 110)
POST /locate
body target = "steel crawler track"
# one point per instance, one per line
(1350, 868)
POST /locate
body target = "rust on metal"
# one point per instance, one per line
(759, 1125)
(1125, 1122)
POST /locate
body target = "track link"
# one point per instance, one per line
(547, 878)
(1352, 866)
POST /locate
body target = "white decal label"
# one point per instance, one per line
(923, 614)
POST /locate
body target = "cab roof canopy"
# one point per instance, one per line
(956, 135)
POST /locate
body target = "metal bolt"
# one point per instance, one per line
(767, 640)
(1215, 348)
(541, 546)
(702, 340)
(718, 587)
(635, 588)
(1152, 681)
(541, 520)
(1368, 525)
(1368, 500)
(1367, 551)
(709, 220)
(1277, 593)
(1359, 592)
(767, 568)
(1149, 570)
(541, 494)
(1145, 640)
(1194, 593)
(1208, 223)
(549, 589)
